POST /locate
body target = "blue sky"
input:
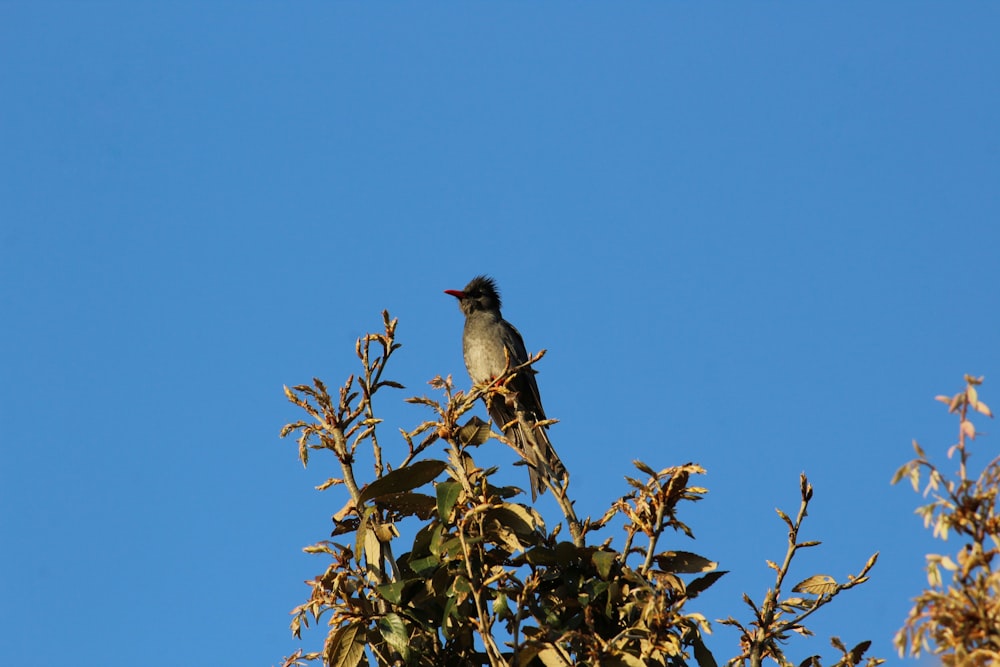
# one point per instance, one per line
(756, 236)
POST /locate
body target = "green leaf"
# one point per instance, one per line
(436, 544)
(460, 587)
(423, 566)
(394, 631)
(447, 496)
(347, 649)
(540, 556)
(399, 592)
(450, 610)
(603, 560)
(403, 479)
(500, 606)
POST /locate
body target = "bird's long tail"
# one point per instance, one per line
(536, 448)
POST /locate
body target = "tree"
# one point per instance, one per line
(959, 622)
(485, 580)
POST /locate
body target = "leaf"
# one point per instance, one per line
(644, 468)
(346, 649)
(552, 656)
(563, 554)
(361, 537)
(684, 562)
(345, 526)
(344, 511)
(385, 532)
(424, 566)
(373, 550)
(933, 575)
(390, 383)
(394, 631)
(668, 580)
(622, 659)
(320, 548)
(450, 609)
(859, 651)
(460, 587)
(500, 606)
(474, 433)
(515, 526)
(504, 491)
(984, 409)
(702, 654)
(408, 504)
(516, 517)
(898, 475)
(447, 496)
(701, 583)
(541, 556)
(333, 481)
(801, 604)
(805, 487)
(399, 592)
(818, 584)
(603, 560)
(402, 479)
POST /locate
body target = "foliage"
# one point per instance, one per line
(775, 619)
(484, 580)
(960, 621)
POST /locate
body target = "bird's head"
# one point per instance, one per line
(480, 294)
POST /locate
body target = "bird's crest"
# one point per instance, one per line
(483, 285)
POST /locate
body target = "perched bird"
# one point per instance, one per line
(489, 343)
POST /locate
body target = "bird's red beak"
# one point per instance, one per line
(455, 293)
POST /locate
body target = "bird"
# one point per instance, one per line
(489, 345)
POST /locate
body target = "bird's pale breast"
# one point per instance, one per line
(483, 349)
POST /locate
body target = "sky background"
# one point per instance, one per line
(757, 236)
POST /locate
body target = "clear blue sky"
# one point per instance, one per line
(757, 236)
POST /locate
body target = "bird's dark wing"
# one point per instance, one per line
(524, 384)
